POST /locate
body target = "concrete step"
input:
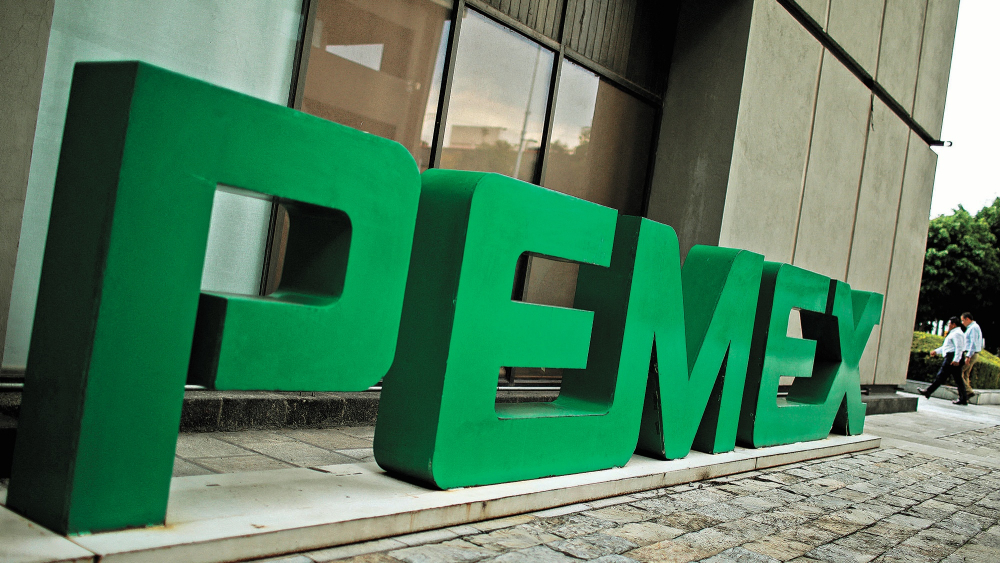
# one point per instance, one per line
(950, 392)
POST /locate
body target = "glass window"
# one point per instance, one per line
(376, 65)
(598, 151)
(247, 46)
(496, 113)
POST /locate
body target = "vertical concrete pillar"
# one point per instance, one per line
(773, 132)
(829, 200)
(695, 150)
(903, 287)
(24, 40)
(875, 221)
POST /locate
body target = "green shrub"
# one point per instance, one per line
(923, 367)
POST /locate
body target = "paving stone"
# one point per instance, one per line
(253, 462)
(907, 554)
(184, 468)
(828, 502)
(667, 550)
(537, 554)
(612, 501)
(867, 542)
(783, 478)
(453, 551)
(704, 496)
(804, 473)
(909, 521)
(778, 547)
(664, 505)
(614, 558)
(329, 438)
(432, 536)
(838, 554)
(838, 526)
(571, 525)
(622, 514)
(781, 496)
(687, 521)
(897, 501)
(937, 542)
(971, 553)
(367, 558)
(644, 533)
(711, 540)
(891, 531)
(987, 539)
(782, 518)
(518, 537)
(816, 487)
(722, 511)
(755, 504)
(593, 546)
(748, 529)
(190, 445)
(496, 524)
(932, 510)
(740, 555)
(966, 524)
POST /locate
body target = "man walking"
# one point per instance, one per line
(953, 351)
(973, 346)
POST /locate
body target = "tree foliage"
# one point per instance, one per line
(962, 268)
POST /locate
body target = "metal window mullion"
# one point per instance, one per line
(447, 75)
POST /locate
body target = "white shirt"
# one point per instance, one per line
(973, 339)
(953, 343)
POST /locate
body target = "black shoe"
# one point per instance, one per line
(923, 392)
(960, 403)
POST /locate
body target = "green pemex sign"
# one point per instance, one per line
(388, 273)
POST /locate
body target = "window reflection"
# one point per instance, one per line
(497, 108)
(376, 65)
(598, 151)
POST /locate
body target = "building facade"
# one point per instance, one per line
(800, 130)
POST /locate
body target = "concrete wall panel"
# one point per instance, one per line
(691, 170)
(857, 26)
(935, 64)
(899, 55)
(903, 288)
(823, 243)
(817, 9)
(24, 40)
(772, 134)
(875, 222)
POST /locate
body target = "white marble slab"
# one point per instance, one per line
(23, 541)
(243, 515)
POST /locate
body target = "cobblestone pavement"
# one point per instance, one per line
(931, 493)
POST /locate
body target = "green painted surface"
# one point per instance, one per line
(693, 399)
(826, 394)
(143, 152)
(438, 421)
(119, 307)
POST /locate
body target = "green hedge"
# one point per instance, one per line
(923, 367)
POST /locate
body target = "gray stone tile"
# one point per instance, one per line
(972, 553)
(205, 445)
(537, 554)
(614, 558)
(184, 468)
(329, 439)
(838, 554)
(741, 555)
(668, 550)
(593, 546)
(966, 524)
(622, 514)
(453, 551)
(571, 525)
(778, 548)
(722, 511)
(300, 453)
(687, 521)
(364, 455)
(238, 464)
(517, 537)
(644, 533)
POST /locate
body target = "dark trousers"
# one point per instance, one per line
(947, 370)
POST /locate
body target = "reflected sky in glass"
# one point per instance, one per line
(497, 108)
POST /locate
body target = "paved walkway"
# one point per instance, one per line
(931, 493)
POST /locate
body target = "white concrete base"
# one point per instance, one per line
(238, 516)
